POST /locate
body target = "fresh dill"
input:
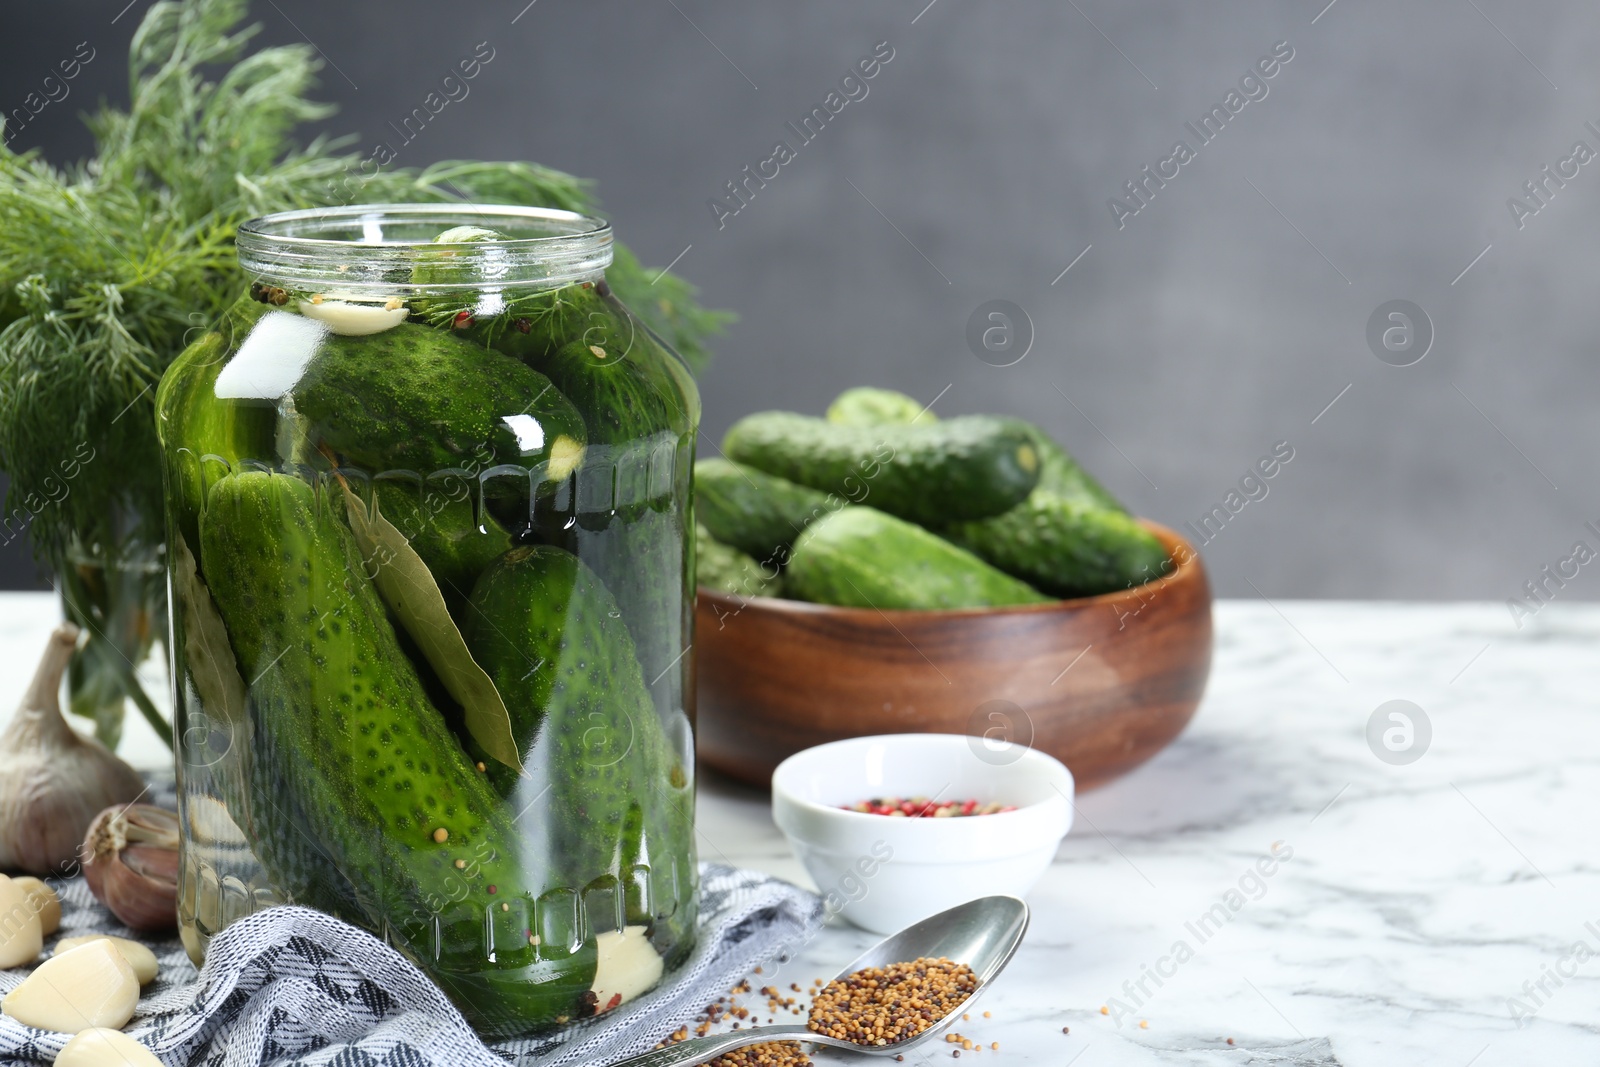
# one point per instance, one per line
(109, 266)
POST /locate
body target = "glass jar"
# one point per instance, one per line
(428, 508)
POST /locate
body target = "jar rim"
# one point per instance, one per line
(374, 248)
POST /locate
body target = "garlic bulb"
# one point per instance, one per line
(53, 780)
(130, 859)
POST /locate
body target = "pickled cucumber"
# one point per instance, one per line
(342, 730)
(455, 543)
(418, 399)
(549, 633)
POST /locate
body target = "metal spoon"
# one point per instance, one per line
(983, 934)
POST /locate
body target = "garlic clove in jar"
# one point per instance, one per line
(350, 319)
(139, 957)
(45, 903)
(52, 779)
(21, 934)
(626, 966)
(131, 864)
(100, 1046)
(91, 985)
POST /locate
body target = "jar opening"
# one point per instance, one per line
(377, 249)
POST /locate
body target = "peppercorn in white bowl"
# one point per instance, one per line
(885, 871)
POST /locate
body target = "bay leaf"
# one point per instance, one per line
(410, 591)
(206, 649)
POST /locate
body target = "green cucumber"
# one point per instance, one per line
(627, 509)
(724, 569)
(1062, 475)
(1058, 471)
(970, 467)
(629, 394)
(415, 398)
(343, 732)
(439, 521)
(860, 557)
(1066, 547)
(550, 635)
(1071, 537)
(202, 437)
(753, 511)
(867, 406)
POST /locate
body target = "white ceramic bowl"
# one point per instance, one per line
(884, 873)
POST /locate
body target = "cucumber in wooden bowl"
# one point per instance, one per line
(1070, 537)
(755, 512)
(859, 557)
(724, 569)
(964, 468)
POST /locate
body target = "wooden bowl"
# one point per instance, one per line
(1102, 683)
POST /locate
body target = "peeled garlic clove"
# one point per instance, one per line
(52, 779)
(21, 934)
(91, 985)
(139, 957)
(100, 1046)
(131, 864)
(626, 965)
(45, 903)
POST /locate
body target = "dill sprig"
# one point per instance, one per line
(108, 266)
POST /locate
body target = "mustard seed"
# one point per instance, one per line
(887, 1005)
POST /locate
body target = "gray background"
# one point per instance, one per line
(1223, 318)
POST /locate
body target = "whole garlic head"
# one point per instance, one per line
(53, 780)
(130, 860)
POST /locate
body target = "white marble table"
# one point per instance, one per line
(1418, 899)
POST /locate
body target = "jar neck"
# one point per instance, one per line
(390, 250)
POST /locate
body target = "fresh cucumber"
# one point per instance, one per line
(342, 731)
(1066, 547)
(862, 558)
(964, 468)
(1062, 475)
(867, 406)
(1058, 471)
(753, 511)
(724, 569)
(619, 796)
(415, 398)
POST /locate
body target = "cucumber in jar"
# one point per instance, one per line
(416, 398)
(203, 438)
(627, 513)
(369, 768)
(550, 635)
(456, 540)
